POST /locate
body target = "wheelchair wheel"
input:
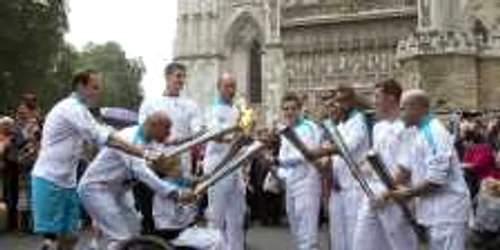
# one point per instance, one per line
(146, 243)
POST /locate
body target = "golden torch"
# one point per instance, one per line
(242, 149)
(170, 163)
(237, 161)
(244, 124)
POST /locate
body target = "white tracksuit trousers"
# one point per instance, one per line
(226, 212)
(384, 229)
(114, 213)
(343, 215)
(303, 203)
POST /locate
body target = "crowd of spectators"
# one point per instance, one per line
(477, 141)
(478, 145)
(19, 144)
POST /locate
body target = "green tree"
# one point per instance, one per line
(35, 58)
(32, 50)
(121, 76)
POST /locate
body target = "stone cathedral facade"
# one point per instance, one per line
(449, 47)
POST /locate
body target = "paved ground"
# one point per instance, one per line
(258, 239)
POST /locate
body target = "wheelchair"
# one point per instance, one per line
(150, 242)
(147, 242)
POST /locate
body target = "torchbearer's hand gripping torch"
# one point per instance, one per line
(242, 149)
(163, 159)
(232, 166)
(354, 168)
(310, 155)
(385, 176)
(383, 173)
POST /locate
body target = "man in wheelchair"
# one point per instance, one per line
(175, 219)
(106, 188)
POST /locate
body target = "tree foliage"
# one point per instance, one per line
(121, 76)
(31, 49)
(35, 58)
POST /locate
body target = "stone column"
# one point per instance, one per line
(197, 38)
(273, 78)
(489, 74)
(443, 15)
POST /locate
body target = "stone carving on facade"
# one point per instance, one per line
(309, 8)
(356, 42)
(491, 47)
(437, 42)
(487, 11)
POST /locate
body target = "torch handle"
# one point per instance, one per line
(232, 166)
(292, 137)
(235, 147)
(380, 168)
(200, 140)
(335, 136)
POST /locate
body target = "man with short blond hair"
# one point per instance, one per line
(385, 229)
(302, 179)
(186, 123)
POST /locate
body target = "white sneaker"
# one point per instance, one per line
(93, 245)
(48, 246)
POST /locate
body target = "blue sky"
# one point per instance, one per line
(144, 28)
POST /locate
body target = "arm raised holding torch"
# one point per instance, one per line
(232, 135)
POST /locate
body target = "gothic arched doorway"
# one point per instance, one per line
(243, 50)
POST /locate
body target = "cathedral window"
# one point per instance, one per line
(255, 76)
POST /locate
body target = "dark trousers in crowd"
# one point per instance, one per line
(473, 183)
(266, 207)
(11, 195)
(484, 240)
(272, 208)
(144, 202)
(24, 207)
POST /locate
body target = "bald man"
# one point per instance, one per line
(429, 161)
(226, 200)
(103, 188)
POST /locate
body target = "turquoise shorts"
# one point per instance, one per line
(56, 210)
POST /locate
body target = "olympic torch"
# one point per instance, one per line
(244, 124)
(241, 150)
(237, 162)
(385, 176)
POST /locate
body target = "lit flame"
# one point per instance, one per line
(246, 118)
